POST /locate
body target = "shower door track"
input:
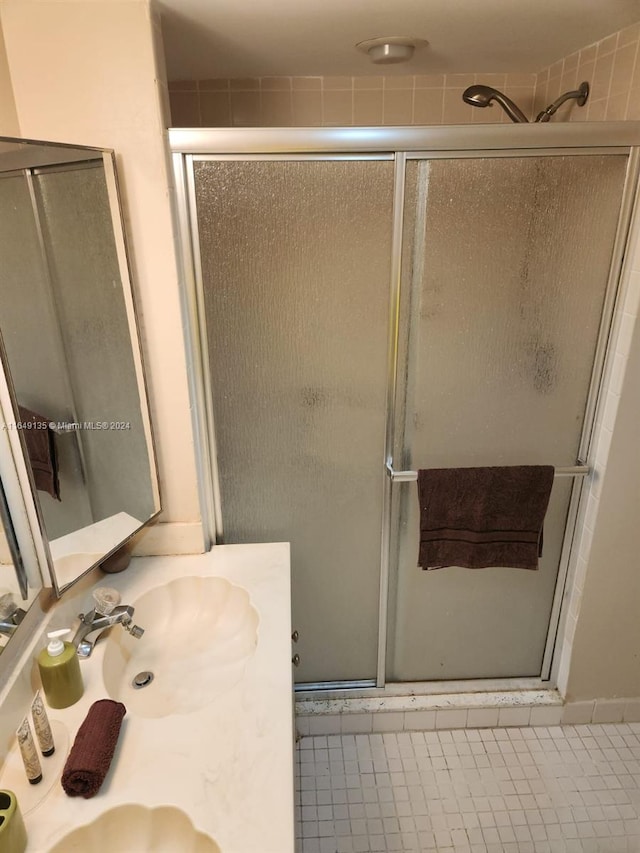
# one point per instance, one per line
(400, 144)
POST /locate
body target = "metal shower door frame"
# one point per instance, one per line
(399, 144)
(194, 315)
(577, 473)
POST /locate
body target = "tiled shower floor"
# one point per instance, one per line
(569, 789)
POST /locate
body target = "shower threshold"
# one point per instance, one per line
(436, 705)
(366, 689)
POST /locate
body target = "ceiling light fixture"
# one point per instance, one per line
(388, 50)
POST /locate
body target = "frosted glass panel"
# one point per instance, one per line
(296, 260)
(505, 266)
(90, 307)
(34, 347)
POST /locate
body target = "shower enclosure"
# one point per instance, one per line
(364, 302)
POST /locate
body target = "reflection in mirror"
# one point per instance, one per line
(14, 590)
(71, 350)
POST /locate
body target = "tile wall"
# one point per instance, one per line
(612, 69)
(341, 101)
(610, 66)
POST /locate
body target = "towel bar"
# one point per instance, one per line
(409, 476)
(62, 428)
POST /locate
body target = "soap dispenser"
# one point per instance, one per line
(60, 671)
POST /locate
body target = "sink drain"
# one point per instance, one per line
(142, 679)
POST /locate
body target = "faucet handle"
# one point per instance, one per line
(106, 599)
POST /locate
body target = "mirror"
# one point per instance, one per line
(71, 353)
(14, 589)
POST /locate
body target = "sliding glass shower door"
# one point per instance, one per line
(505, 268)
(295, 261)
(412, 310)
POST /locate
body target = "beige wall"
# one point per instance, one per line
(341, 101)
(8, 115)
(600, 654)
(600, 639)
(87, 73)
(606, 647)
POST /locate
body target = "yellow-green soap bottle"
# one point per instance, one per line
(60, 671)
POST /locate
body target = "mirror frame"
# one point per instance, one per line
(19, 499)
(24, 507)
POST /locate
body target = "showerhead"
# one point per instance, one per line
(481, 96)
(478, 96)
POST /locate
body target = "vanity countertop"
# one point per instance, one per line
(228, 765)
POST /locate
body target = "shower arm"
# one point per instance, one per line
(512, 110)
(581, 94)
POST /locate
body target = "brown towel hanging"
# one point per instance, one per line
(481, 517)
(41, 449)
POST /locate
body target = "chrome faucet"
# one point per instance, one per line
(10, 614)
(107, 612)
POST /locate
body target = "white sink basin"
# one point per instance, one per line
(127, 828)
(199, 633)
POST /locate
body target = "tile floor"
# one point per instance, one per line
(570, 789)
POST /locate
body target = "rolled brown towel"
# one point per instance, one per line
(90, 757)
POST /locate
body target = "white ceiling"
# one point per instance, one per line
(258, 38)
